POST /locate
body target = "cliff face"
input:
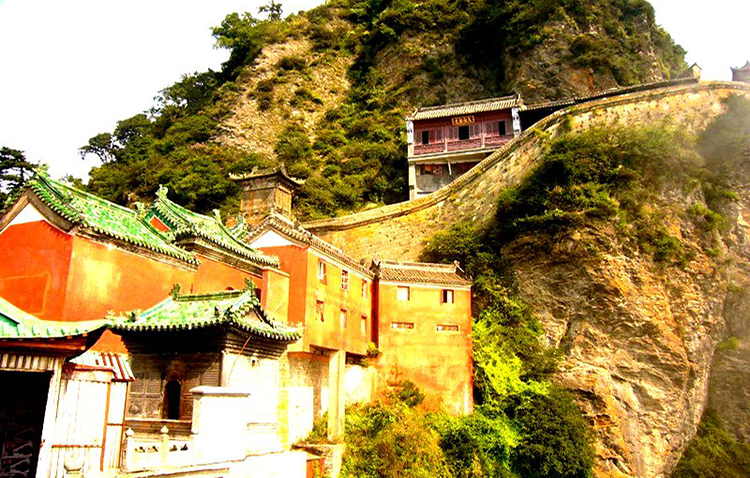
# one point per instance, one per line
(640, 338)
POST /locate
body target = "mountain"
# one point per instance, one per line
(326, 91)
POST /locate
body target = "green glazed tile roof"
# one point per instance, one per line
(186, 224)
(103, 217)
(240, 309)
(17, 324)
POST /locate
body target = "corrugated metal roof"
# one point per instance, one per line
(421, 273)
(118, 363)
(467, 108)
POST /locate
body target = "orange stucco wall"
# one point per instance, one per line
(423, 354)
(275, 299)
(306, 290)
(105, 278)
(214, 276)
(58, 276)
(329, 333)
(35, 258)
(293, 261)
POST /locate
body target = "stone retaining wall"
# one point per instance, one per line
(400, 231)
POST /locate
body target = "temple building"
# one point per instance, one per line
(148, 327)
(446, 141)
(742, 73)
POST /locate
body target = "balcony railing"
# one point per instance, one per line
(447, 145)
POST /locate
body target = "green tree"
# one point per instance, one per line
(15, 169)
(273, 9)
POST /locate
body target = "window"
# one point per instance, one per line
(403, 293)
(402, 325)
(447, 296)
(425, 137)
(319, 310)
(321, 270)
(342, 319)
(463, 132)
(363, 326)
(501, 128)
(364, 289)
(344, 280)
(447, 328)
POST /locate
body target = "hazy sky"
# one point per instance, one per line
(72, 69)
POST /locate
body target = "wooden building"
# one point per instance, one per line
(54, 407)
(446, 141)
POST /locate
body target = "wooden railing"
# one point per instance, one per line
(448, 145)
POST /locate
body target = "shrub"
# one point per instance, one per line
(263, 93)
(292, 62)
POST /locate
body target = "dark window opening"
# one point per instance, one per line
(425, 137)
(172, 393)
(501, 128)
(463, 132)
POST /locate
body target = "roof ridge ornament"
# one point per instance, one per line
(161, 193)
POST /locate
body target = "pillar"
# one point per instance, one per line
(336, 395)
(412, 181)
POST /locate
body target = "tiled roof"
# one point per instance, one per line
(103, 217)
(17, 324)
(470, 107)
(262, 173)
(240, 309)
(185, 224)
(421, 273)
(295, 232)
(746, 67)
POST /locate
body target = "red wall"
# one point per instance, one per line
(423, 354)
(35, 259)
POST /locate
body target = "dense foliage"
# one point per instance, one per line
(713, 453)
(404, 54)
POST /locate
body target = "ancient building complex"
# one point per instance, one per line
(204, 343)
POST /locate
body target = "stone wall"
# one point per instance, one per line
(400, 231)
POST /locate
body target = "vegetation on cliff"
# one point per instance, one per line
(713, 453)
(401, 54)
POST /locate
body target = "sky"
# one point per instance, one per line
(71, 69)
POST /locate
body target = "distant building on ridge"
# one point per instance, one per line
(742, 73)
